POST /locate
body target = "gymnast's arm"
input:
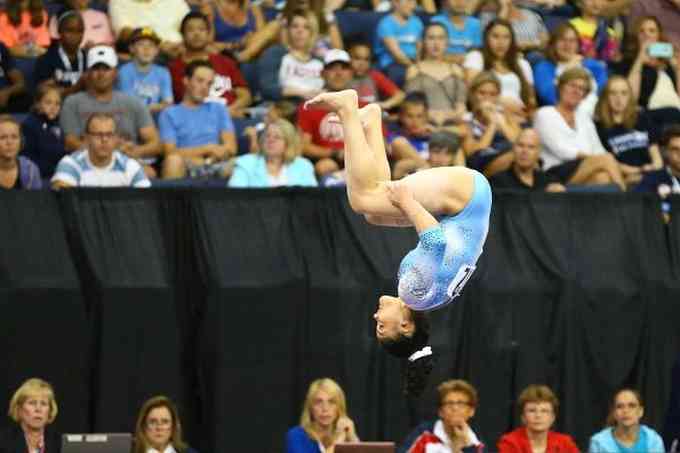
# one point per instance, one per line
(401, 196)
(387, 221)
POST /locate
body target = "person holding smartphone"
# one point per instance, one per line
(651, 66)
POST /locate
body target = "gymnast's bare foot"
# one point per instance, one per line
(337, 101)
(368, 114)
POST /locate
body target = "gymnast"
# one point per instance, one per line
(449, 208)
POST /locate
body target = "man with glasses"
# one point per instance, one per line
(100, 164)
(451, 433)
(135, 127)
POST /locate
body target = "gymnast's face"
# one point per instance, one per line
(392, 318)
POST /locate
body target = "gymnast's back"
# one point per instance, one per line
(435, 272)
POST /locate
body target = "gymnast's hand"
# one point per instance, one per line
(399, 194)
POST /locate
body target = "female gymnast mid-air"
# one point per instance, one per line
(449, 208)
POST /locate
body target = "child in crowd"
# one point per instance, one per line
(97, 24)
(397, 42)
(410, 139)
(64, 63)
(444, 150)
(300, 73)
(43, 137)
(142, 78)
(372, 85)
(23, 28)
(465, 31)
(284, 109)
(598, 38)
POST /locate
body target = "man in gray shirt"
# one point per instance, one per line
(139, 137)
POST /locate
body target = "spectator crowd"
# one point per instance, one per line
(548, 95)
(325, 422)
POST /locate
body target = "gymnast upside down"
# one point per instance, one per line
(449, 208)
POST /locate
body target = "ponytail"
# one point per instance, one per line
(417, 355)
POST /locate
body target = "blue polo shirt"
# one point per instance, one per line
(187, 127)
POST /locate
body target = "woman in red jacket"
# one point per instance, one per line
(538, 408)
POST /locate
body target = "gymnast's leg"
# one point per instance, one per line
(443, 190)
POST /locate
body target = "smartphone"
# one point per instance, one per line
(662, 50)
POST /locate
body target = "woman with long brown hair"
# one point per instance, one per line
(500, 55)
(627, 131)
(23, 28)
(441, 81)
(158, 428)
(624, 432)
(654, 80)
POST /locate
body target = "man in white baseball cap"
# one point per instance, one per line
(134, 124)
(322, 138)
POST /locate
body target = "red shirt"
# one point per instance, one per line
(227, 78)
(517, 441)
(315, 122)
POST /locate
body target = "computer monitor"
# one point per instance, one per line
(96, 443)
(365, 447)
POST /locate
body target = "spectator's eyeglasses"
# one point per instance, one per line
(455, 404)
(101, 136)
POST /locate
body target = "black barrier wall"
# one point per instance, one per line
(231, 302)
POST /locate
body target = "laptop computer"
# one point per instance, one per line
(365, 447)
(96, 443)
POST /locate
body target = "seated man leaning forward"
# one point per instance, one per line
(100, 164)
(198, 137)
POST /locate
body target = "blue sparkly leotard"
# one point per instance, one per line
(434, 273)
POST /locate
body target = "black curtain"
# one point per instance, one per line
(44, 331)
(231, 302)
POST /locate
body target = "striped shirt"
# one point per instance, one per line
(77, 170)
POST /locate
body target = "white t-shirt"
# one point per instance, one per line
(163, 16)
(303, 75)
(559, 142)
(77, 170)
(511, 86)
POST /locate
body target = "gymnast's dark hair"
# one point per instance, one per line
(414, 373)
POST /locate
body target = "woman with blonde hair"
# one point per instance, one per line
(32, 408)
(158, 428)
(324, 421)
(300, 73)
(627, 131)
(571, 149)
(278, 163)
(625, 433)
(537, 406)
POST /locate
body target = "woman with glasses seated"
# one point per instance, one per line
(537, 406)
(158, 428)
(624, 432)
(451, 431)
